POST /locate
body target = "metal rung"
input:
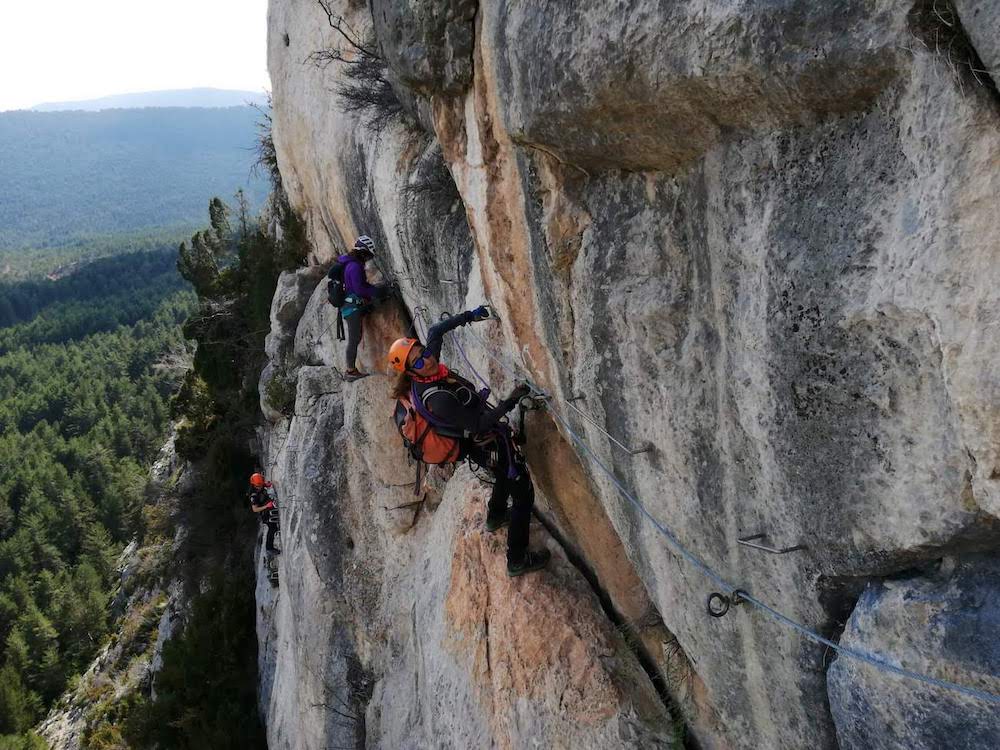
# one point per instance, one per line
(748, 541)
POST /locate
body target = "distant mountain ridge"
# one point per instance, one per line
(197, 97)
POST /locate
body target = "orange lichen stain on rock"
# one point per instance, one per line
(565, 220)
(448, 114)
(561, 477)
(383, 325)
(411, 151)
(536, 637)
(507, 253)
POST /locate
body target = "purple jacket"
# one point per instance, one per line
(355, 280)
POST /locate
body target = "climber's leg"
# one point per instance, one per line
(272, 529)
(497, 512)
(523, 495)
(520, 560)
(354, 333)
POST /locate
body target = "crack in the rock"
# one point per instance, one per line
(629, 636)
(937, 24)
(486, 635)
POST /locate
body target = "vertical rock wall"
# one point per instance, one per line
(759, 237)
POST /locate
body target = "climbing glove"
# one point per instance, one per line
(480, 313)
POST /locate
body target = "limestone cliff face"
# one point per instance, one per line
(759, 237)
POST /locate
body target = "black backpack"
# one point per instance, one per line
(336, 294)
(335, 291)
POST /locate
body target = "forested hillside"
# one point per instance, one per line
(71, 175)
(98, 297)
(18, 264)
(87, 366)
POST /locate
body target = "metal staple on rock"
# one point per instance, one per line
(875, 660)
(568, 401)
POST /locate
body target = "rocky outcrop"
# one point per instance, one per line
(427, 43)
(943, 625)
(759, 239)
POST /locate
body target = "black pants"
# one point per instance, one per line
(519, 490)
(272, 529)
(354, 331)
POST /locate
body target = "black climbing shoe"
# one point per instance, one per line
(497, 523)
(531, 561)
(351, 375)
(274, 551)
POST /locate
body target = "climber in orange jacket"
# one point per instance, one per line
(452, 407)
(262, 497)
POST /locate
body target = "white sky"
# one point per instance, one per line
(62, 50)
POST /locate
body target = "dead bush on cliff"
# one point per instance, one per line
(937, 25)
(366, 90)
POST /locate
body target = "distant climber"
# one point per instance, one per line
(262, 497)
(349, 290)
(427, 391)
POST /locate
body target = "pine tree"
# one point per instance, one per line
(19, 707)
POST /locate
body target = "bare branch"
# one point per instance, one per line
(342, 27)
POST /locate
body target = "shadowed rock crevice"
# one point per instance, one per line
(628, 629)
(939, 26)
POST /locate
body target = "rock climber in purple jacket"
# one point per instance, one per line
(359, 297)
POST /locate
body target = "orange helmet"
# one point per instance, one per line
(257, 480)
(399, 352)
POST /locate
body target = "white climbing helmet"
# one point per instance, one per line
(364, 242)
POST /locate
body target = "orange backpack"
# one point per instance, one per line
(425, 444)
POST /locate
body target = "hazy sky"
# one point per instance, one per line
(60, 50)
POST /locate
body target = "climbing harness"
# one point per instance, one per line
(479, 472)
(719, 603)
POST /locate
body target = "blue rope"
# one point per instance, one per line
(874, 660)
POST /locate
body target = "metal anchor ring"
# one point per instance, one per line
(717, 604)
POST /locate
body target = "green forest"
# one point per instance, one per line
(99, 356)
(84, 407)
(71, 177)
(99, 297)
(60, 261)
(89, 384)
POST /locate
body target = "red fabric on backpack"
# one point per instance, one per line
(425, 443)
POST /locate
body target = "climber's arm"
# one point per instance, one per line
(435, 334)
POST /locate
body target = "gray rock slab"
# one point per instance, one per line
(944, 626)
